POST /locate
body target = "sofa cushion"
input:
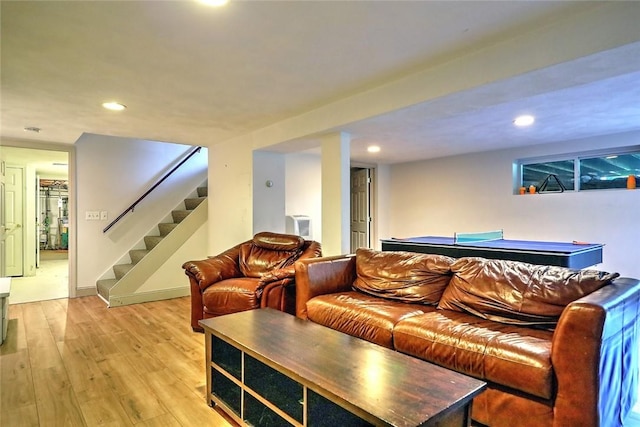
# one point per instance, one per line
(231, 295)
(513, 356)
(403, 276)
(517, 292)
(361, 315)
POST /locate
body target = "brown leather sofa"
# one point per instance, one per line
(557, 347)
(256, 273)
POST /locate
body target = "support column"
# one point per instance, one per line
(336, 204)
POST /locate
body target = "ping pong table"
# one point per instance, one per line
(570, 254)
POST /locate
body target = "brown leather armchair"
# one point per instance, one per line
(254, 274)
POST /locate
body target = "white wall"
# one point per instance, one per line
(380, 204)
(111, 174)
(170, 275)
(304, 189)
(230, 195)
(268, 201)
(475, 192)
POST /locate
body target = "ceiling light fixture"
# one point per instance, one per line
(373, 149)
(114, 106)
(525, 120)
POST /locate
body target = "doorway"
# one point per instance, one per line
(44, 262)
(360, 226)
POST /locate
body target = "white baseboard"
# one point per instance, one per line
(86, 292)
(157, 295)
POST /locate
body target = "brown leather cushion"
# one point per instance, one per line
(361, 315)
(231, 295)
(497, 406)
(269, 251)
(403, 276)
(278, 242)
(514, 356)
(517, 292)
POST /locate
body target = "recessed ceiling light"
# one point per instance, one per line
(215, 3)
(525, 120)
(32, 129)
(114, 106)
(373, 149)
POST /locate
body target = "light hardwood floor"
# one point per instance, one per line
(74, 362)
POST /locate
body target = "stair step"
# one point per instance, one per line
(193, 203)
(152, 241)
(104, 286)
(137, 254)
(121, 269)
(179, 215)
(203, 191)
(166, 227)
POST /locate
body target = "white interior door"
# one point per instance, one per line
(360, 209)
(38, 220)
(13, 215)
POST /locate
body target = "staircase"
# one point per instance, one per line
(114, 282)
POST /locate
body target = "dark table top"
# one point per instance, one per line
(363, 377)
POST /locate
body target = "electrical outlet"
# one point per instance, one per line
(92, 215)
(103, 215)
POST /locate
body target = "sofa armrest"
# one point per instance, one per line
(276, 275)
(319, 276)
(209, 271)
(595, 356)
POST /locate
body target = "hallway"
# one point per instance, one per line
(50, 282)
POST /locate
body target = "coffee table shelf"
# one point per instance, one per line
(268, 368)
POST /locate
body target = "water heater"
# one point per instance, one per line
(299, 225)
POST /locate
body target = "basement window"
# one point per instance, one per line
(555, 173)
(612, 171)
(580, 171)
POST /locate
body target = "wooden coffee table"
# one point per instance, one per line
(268, 368)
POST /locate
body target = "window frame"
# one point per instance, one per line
(577, 159)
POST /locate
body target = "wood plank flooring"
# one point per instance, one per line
(74, 362)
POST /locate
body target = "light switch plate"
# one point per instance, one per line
(92, 215)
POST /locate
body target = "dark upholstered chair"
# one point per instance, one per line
(254, 274)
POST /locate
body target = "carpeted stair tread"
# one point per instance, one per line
(151, 241)
(179, 215)
(203, 191)
(166, 227)
(104, 286)
(121, 269)
(137, 254)
(193, 203)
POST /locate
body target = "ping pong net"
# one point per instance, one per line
(485, 236)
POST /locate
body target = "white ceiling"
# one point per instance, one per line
(197, 75)
(46, 163)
